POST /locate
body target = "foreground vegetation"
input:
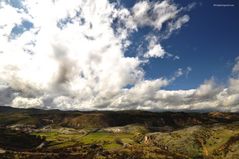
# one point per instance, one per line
(117, 135)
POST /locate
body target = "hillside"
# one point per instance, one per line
(27, 133)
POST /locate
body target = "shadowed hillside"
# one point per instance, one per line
(100, 119)
(33, 133)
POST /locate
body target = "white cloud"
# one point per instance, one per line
(147, 13)
(73, 58)
(209, 96)
(181, 72)
(21, 102)
(154, 48)
(208, 89)
(235, 69)
(231, 100)
(178, 23)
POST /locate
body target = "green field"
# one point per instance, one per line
(57, 134)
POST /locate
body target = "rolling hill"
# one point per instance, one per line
(28, 133)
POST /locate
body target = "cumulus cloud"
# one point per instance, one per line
(147, 13)
(21, 102)
(154, 48)
(71, 55)
(207, 97)
(207, 89)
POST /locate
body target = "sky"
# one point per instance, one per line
(155, 55)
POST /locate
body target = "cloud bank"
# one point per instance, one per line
(71, 55)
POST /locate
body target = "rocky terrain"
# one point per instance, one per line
(33, 133)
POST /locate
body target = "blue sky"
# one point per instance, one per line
(117, 54)
(208, 44)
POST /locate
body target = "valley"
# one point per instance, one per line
(33, 133)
